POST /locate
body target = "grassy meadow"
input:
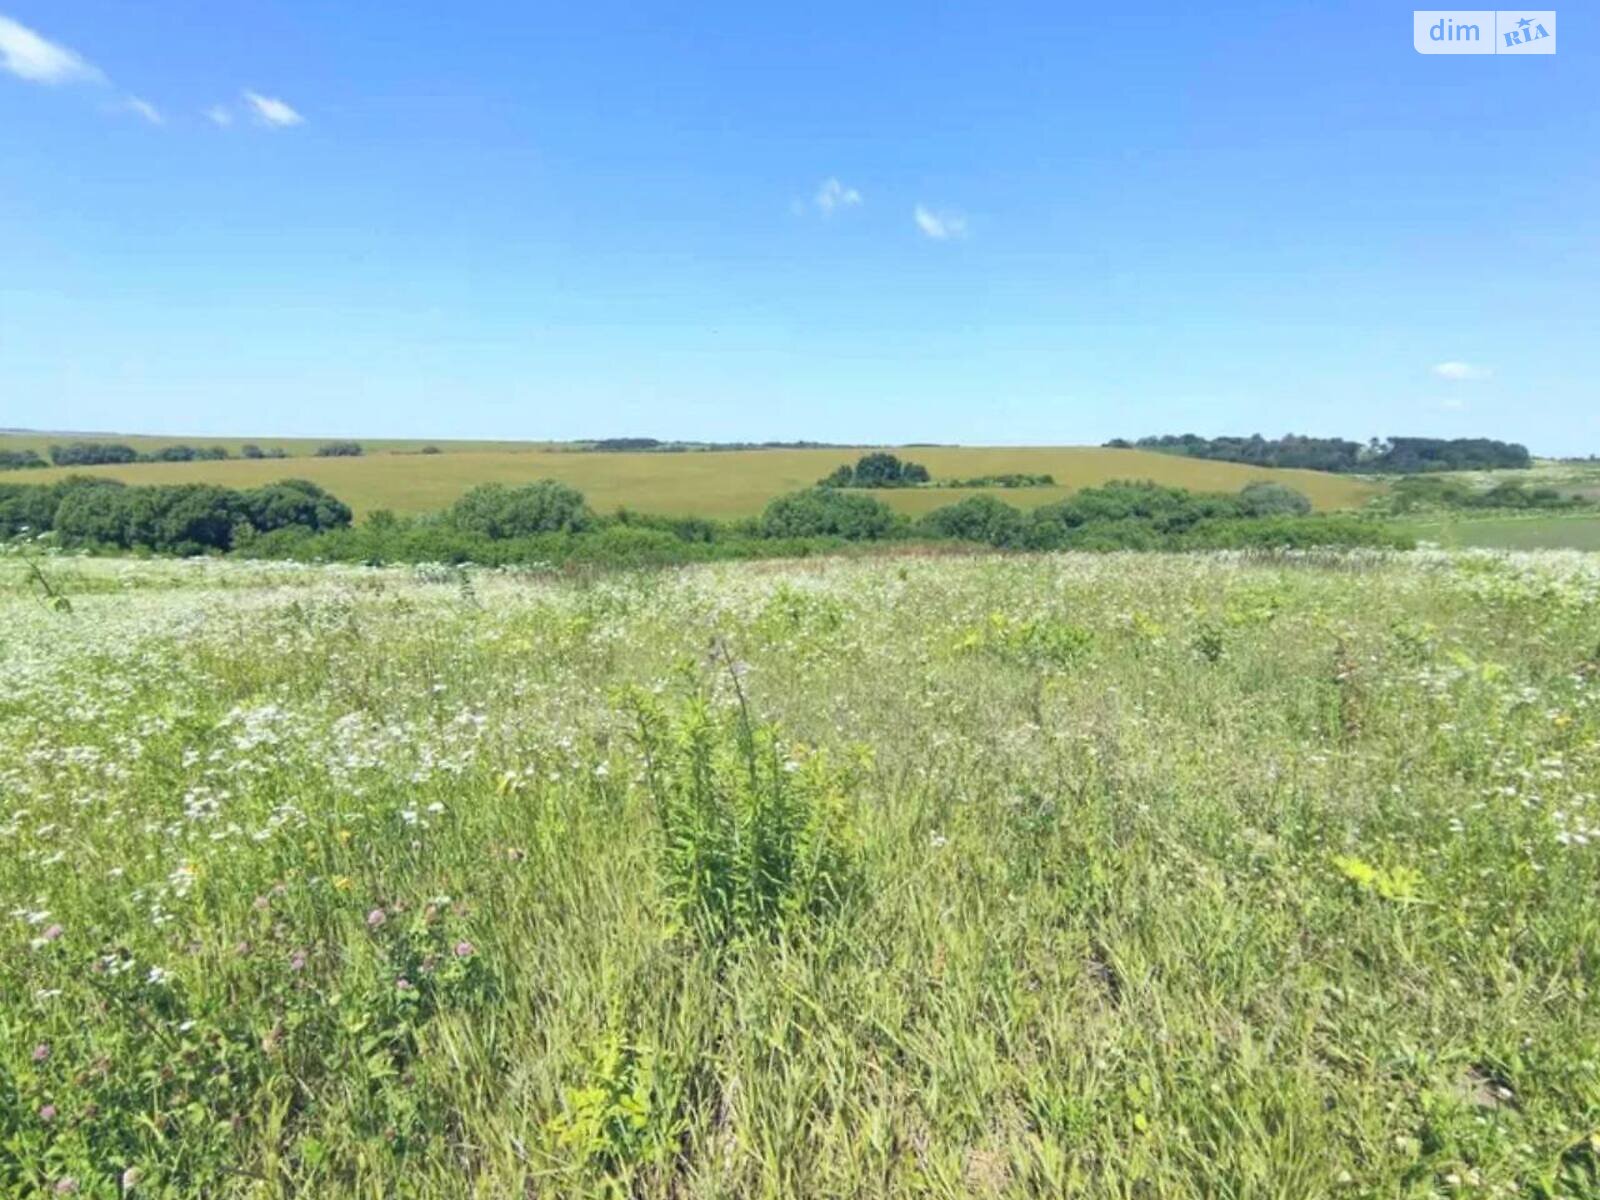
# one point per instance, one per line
(1536, 531)
(733, 483)
(1104, 876)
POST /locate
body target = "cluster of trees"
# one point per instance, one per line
(191, 518)
(20, 460)
(1399, 455)
(879, 469)
(99, 454)
(548, 521)
(251, 450)
(339, 449)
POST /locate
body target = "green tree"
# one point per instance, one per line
(497, 511)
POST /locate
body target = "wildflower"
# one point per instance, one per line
(130, 1178)
(403, 984)
(41, 1052)
(47, 1113)
(66, 1185)
(157, 975)
(939, 841)
(464, 949)
(297, 961)
(376, 917)
(341, 883)
(436, 808)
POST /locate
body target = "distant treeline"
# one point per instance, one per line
(1398, 455)
(1421, 493)
(1013, 479)
(102, 454)
(548, 521)
(613, 445)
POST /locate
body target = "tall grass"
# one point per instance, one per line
(1105, 876)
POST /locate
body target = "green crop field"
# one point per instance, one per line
(701, 483)
(1106, 876)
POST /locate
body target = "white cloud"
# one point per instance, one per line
(145, 109)
(28, 56)
(940, 226)
(272, 111)
(218, 114)
(833, 194)
(1457, 372)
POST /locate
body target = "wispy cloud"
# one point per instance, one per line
(1457, 372)
(28, 56)
(834, 195)
(940, 226)
(145, 109)
(218, 114)
(272, 111)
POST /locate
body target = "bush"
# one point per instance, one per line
(339, 450)
(495, 510)
(823, 512)
(250, 450)
(20, 460)
(1272, 500)
(754, 834)
(978, 519)
(294, 503)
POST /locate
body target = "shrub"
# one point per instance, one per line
(250, 450)
(20, 460)
(1272, 500)
(754, 833)
(294, 503)
(978, 519)
(495, 510)
(339, 450)
(823, 512)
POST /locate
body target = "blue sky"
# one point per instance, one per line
(1046, 223)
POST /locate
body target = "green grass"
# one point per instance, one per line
(714, 484)
(1577, 531)
(1118, 876)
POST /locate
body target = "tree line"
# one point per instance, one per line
(548, 521)
(104, 454)
(1397, 455)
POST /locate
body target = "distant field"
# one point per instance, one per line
(1515, 533)
(701, 483)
